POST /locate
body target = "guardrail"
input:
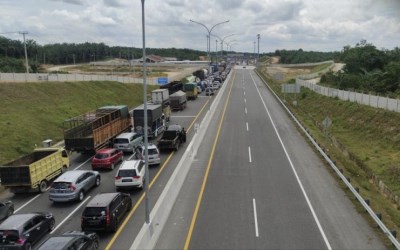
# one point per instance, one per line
(149, 233)
(373, 215)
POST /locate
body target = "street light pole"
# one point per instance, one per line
(146, 156)
(258, 50)
(26, 53)
(209, 35)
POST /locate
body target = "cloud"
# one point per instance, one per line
(76, 2)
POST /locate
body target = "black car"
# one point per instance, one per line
(6, 209)
(105, 212)
(72, 240)
(21, 231)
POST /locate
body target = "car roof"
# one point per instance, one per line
(125, 135)
(174, 127)
(58, 242)
(100, 200)
(129, 164)
(70, 175)
(149, 145)
(15, 221)
(105, 150)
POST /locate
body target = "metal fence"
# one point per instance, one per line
(361, 98)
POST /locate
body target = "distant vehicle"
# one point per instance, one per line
(22, 231)
(107, 158)
(72, 240)
(153, 154)
(161, 96)
(130, 174)
(178, 100)
(105, 212)
(6, 209)
(155, 119)
(172, 138)
(32, 172)
(209, 91)
(128, 142)
(73, 185)
(191, 90)
(96, 129)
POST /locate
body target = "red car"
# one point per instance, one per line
(107, 158)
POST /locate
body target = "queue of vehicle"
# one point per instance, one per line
(88, 133)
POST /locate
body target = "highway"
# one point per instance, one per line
(257, 184)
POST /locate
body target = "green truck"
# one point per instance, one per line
(191, 90)
(32, 172)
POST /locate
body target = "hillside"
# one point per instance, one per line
(33, 112)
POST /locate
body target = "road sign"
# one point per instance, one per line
(327, 122)
(162, 80)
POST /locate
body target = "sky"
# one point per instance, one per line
(311, 25)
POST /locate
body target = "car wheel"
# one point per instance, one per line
(27, 246)
(112, 166)
(96, 244)
(52, 224)
(97, 181)
(42, 186)
(81, 196)
(115, 225)
(10, 212)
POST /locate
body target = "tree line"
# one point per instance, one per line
(12, 54)
(367, 69)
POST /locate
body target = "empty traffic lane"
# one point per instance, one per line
(252, 198)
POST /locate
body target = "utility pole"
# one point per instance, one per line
(254, 52)
(216, 51)
(26, 53)
(258, 50)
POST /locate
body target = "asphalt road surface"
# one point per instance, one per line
(257, 184)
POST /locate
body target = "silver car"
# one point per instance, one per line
(72, 185)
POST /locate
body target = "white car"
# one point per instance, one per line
(130, 175)
(153, 154)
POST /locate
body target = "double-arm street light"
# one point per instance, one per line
(230, 43)
(209, 35)
(222, 42)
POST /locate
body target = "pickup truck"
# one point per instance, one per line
(172, 137)
(32, 172)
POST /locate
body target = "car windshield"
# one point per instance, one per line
(127, 173)
(120, 140)
(60, 185)
(101, 156)
(9, 236)
(152, 151)
(94, 211)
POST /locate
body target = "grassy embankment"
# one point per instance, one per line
(33, 112)
(370, 136)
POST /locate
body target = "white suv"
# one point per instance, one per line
(127, 142)
(153, 153)
(130, 174)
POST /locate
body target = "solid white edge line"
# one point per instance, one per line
(21, 207)
(255, 217)
(249, 154)
(62, 222)
(83, 163)
(294, 171)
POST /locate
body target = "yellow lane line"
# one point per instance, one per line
(203, 185)
(131, 213)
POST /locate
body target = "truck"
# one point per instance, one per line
(201, 74)
(178, 100)
(191, 90)
(172, 137)
(96, 129)
(32, 172)
(173, 86)
(155, 121)
(161, 96)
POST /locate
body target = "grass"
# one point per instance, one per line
(33, 112)
(369, 134)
